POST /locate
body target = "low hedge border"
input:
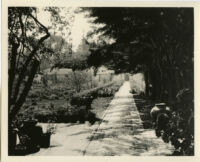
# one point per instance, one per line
(86, 97)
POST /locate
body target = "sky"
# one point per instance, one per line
(80, 26)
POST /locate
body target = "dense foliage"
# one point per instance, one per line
(178, 126)
(159, 43)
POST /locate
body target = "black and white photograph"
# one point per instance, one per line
(100, 81)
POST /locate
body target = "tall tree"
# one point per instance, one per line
(26, 36)
(158, 41)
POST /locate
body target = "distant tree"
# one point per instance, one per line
(60, 51)
(79, 79)
(78, 59)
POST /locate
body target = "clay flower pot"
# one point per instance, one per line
(161, 105)
(12, 141)
(158, 108)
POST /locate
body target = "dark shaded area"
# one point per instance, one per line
(158, 42)
(31, 139)
(173, 125)
(80, 115)
(144, 106)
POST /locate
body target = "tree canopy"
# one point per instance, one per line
(157, 41)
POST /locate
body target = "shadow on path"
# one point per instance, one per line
(123, 133)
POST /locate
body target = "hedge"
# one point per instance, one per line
(86, 97)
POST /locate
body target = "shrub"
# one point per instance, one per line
(86, 97)
(109, 91)
(178, 128)
(65, 114)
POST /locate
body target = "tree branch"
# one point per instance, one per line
(29, 58)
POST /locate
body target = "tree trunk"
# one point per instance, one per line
(158, 86)
(146, 77)
(12, 71)
(22, 98)
(153, 76)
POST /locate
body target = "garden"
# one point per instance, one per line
(53, 80)
(54, 104)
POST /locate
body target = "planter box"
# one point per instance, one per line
(12, 141)
(45, 140)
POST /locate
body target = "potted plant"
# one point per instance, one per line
(45, 138)
(28, 134)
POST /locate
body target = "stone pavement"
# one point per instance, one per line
(121, 131)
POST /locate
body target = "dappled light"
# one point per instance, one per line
(107, 81)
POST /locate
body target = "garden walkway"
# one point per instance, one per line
(120, 133)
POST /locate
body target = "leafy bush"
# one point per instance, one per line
(178, 128)
(86, 97)
(79, 79)
(109, 91)
(65, 114)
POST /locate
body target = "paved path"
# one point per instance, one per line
(120, 133)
